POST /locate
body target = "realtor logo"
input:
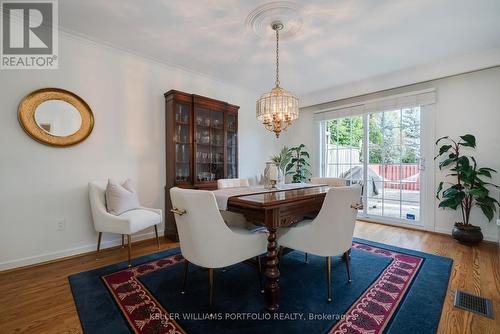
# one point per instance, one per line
(29, 35)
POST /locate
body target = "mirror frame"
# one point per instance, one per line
(26, 116)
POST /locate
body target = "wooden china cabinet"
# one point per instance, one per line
(201, 145)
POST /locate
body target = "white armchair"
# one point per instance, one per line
(205, 239)
(232, 183)
(127, 223)
(234, 219)
(330, 233)
(330, 181)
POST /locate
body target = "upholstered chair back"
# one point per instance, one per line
(336, 220)
(97, 197)
(205, 239)
(331, 181)
(232, 183)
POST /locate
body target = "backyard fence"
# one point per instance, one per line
(340, 159)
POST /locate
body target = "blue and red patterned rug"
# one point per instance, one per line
(394, 290)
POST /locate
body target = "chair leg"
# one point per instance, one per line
(306, 259)
(99, 236)
(329, 278)
(348, 253)
(184, 282)
(210, 287)
(129, 241)
(259, 272)
(347, 261)
(157, 239)
(123, 240)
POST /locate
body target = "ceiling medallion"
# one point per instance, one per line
(260, 20)
(278, 108)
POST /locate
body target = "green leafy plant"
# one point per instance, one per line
(282, 159)
(299, 165)
(469, 189)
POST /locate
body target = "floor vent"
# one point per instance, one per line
(472, 303)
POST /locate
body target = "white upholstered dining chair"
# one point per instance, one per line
(205, 240)
(330, 233)
(127, 223)
(330, 181)
(234, 219)
(232, 183)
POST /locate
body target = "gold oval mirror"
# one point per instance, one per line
(55, 117)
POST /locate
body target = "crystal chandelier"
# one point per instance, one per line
(278, 108)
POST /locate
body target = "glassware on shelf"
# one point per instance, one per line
(182, 173)
(206, 176)
(204, 137)
(218, 139)
(177, 153)
(184, 151)
(181, 134)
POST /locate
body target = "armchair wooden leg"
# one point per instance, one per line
(123, 240)
(347, 262)
(184, 281)
(99, 236)
(329, 278)
(259, 267)
(157, 239)
(129, 242)
(210, 287)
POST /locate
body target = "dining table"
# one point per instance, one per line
(273, 208)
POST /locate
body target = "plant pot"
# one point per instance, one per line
(468, 234)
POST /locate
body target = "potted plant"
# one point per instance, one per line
(468, 190)
(281, 160)
(299, 165)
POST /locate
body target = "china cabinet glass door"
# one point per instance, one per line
(217, 145)
(202, 140)
(182, 143)
(231, 145)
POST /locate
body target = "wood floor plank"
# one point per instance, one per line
(38, 299)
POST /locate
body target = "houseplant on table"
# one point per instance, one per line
(299, 165)
(468, 189)
(281, 160)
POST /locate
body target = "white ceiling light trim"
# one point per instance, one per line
(261, 19)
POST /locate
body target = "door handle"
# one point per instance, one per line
(178, 211)
(357, 206)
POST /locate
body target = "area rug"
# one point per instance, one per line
(393, 290)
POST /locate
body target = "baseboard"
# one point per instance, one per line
(487, 237)
(37, 259)
(389, 223)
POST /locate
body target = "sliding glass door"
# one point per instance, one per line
(382, 152)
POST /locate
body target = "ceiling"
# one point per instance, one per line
(341, 41)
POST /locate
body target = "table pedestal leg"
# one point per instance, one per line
(272, 273)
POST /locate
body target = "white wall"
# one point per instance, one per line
(468, 103)
(40, 185)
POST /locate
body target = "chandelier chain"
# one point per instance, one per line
(277, 58)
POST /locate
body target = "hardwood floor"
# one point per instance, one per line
(39, 300)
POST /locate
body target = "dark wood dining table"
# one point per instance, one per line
(274, 210)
